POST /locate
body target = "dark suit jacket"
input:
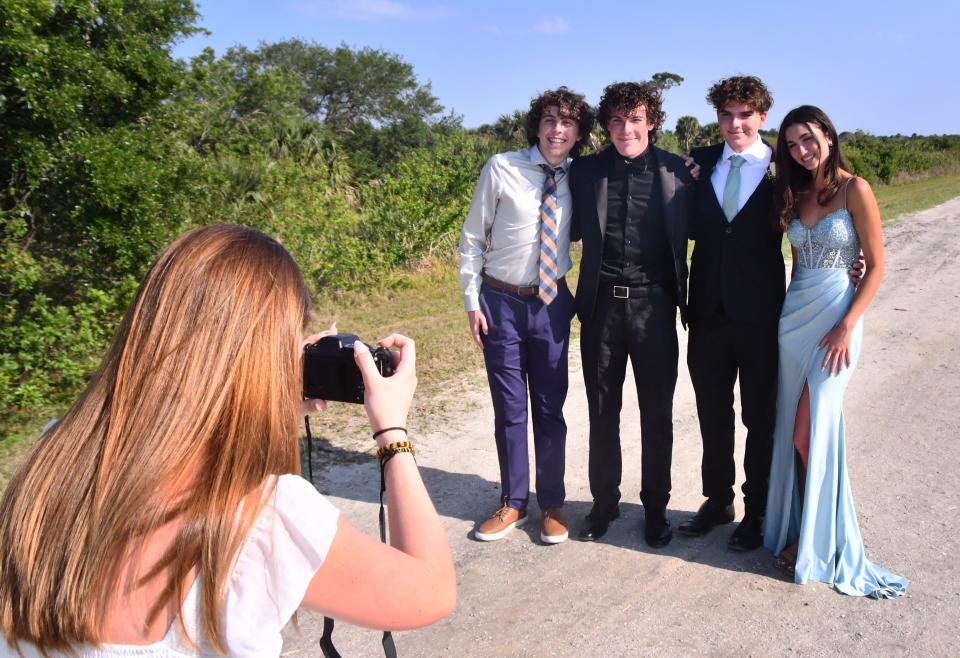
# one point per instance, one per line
(588, 184)
(737, 270)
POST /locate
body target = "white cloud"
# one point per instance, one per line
(552, 26)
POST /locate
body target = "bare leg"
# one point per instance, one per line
(801, 441)
(801, 427)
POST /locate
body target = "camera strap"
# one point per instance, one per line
(326, 640)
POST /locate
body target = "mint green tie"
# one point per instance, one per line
(731, 189)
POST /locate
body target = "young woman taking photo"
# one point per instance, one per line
(163, 515)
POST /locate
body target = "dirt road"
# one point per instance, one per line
(621, 598)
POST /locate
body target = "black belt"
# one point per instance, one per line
(632, 292)
(520, 291)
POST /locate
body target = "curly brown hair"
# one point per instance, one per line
(746, 89)
(628, 96)
(572, 106)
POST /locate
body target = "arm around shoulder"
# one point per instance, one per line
(576, 231)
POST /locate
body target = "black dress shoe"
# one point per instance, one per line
(710, 514)
(656, 530)
(748, 535)
(598, 520)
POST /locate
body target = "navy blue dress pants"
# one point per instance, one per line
(525, 352)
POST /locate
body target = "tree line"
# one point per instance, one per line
(110, 147)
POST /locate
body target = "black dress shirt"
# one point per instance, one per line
(636, 251)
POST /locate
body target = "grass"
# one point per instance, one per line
(905, 198)
(426, 304)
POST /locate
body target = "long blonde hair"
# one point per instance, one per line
(193, 408)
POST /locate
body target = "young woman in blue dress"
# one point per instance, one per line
(829, 216)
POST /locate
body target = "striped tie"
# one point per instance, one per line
(548, 236)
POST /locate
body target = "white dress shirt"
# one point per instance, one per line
(501, 233)
(757, 156)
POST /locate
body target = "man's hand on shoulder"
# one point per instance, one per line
(682, 167)
(478, 323)
(857, 270)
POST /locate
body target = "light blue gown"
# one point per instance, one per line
(830, 547)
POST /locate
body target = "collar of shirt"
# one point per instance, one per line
(641, 163)
(755, 154)
(537, 159)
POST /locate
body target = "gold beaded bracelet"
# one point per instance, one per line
(390, 449)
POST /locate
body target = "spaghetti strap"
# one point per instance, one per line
(845, 186)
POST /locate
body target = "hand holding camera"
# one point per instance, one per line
(340, 367)
(388, 399)
(330, 372)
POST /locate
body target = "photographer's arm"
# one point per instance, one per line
(410, 583)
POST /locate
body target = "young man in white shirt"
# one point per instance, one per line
(514, 253)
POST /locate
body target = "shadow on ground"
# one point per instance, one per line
(353, 475)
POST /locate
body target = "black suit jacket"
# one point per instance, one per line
(588, 184)
(737, 270)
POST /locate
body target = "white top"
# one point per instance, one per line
(757, 156)
(501, 234)
(287, 544)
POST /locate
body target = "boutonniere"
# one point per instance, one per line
(771, 171)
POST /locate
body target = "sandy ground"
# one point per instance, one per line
(621, 598)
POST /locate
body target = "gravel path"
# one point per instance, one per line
(620, 598)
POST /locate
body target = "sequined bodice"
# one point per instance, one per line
(831, 243)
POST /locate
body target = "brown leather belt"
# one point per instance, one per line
(520, 291)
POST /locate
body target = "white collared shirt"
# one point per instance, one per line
(501, 233)
(757, 156)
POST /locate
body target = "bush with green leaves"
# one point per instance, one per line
(111, 148)
(90, 180)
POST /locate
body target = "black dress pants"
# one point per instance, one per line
(644, 329)
(719, 350)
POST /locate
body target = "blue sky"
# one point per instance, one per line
(884, 67)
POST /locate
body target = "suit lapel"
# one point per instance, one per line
(668, 187)
(600, 190)
(706, 174)
(668, 184)
(760, 195)
(757, 189)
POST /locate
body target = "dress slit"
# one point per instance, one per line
(830, 548)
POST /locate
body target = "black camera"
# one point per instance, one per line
(330, 373)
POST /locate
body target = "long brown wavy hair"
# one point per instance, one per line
(793, 178)
(192, 410)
